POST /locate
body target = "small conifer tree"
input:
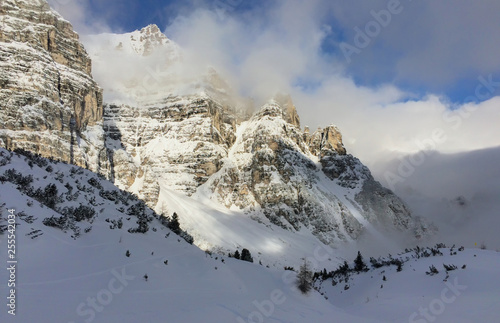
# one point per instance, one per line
(246, 255)
(304, 278)
(174, 224)
(359, 264)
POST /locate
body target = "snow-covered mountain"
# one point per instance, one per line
(178, 137)
(190, 133)
(182, 176)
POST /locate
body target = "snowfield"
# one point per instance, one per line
(471, 294)
(87, 277)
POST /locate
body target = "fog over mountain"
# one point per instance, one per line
(459, 192)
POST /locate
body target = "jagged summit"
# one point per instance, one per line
(143, 42)
(281, 105)
(146, 40)
(324, 140)
(144, 68)
(286, 103)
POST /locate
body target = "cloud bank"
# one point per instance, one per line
(281, 48)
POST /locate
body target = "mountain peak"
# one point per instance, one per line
(153, 28)
(281, 105)
(146, 40)
(286, 103)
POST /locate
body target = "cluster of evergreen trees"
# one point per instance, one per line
(173, 224)
(359, 265)
(245, 255)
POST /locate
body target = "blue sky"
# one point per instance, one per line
(128, 15)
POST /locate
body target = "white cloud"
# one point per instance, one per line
(281, 51)
(78, 13)
(279, 48)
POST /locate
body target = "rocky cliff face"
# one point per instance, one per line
(163, 129)
(190, 135)
(178, 143)
(271, 171)
(304, 182)
(49, 102)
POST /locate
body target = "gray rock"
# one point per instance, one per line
(50, 104)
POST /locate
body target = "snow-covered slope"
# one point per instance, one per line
(467, 292)
(79, 271)
(92, 269)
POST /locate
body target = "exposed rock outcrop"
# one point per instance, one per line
(49, 102)
(273, 169)
(178, 143)
(324, 140)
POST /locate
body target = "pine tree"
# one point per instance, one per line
(359, 264)
(304, 278)
(236, 254)
(246, 255)
(344, 269)
(174, 224)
